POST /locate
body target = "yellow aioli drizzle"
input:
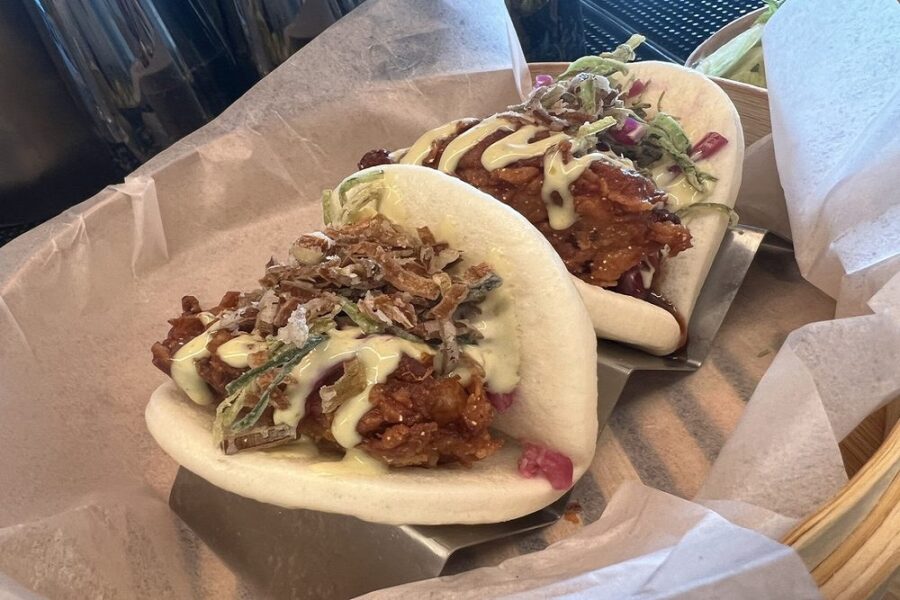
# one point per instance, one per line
(681, 193)
(558, 177)
(302, 447)
(498, 351)
(379, 355)
(421, 148)
(184, 368)
(356, 461)
(467, 140)
(516, 146)
(236, 351)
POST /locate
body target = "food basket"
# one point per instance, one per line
(851, 544)
(751, 100)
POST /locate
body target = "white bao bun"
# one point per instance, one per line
(557, 395)
(701, 106)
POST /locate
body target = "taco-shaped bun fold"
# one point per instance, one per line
(550, 417)
(629, 170)
(701, 107)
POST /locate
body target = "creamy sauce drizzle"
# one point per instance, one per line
(467, 140)
(356, 461)
(516, 147)
(681, 193)
(421, 148)
(379, 355)
(184, 368)
(236, 351)
(302, 447)
(498, 352)
(559, 177)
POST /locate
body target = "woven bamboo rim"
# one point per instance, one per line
(851, 545)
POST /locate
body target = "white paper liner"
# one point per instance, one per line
(634, 551)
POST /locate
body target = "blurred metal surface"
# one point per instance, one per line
(50, 157)
(307, 554)
(616, 362)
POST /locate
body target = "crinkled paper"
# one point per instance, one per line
(83, 503)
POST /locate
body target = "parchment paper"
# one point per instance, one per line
(636, 551)
(82, 505)
(840, 182)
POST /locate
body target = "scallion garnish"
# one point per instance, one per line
(294, 356)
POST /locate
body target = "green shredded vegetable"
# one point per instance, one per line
(596, 65)
(688, 210)
(553, 95)
(596, 127)
(667, 127)
(331, 209)
(606, 63)
(247, 376)
(227, 411)
(256, 412)
(294, 358)
(721, 62)
(338, 207)
(666, 133)
(771, 7)
(367, 324)
(587, 96)
(322, 325)
(751, 69)
(625, 52)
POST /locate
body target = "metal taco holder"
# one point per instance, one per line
(294, 552)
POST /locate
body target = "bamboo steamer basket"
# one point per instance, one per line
(851, 545)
